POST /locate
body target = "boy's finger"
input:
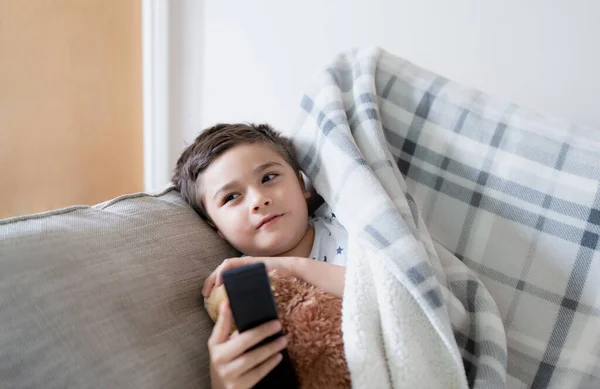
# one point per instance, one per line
(209, 283)
(219, 271)
(223, 326)
(247, 339)
(227, 264)
(258, 373)
(212, 279)
(250, 359)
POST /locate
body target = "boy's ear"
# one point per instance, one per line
(307, 194)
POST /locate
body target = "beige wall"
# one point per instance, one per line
(70, 102)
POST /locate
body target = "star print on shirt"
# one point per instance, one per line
(332, 214)
(339, 250)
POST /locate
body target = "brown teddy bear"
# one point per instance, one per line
(312, 323)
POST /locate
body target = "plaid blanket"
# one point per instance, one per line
(473, 229)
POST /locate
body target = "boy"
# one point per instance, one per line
(245, 181)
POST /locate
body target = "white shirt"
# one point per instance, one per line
(331, 239)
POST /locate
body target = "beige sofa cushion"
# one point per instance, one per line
(107, 296)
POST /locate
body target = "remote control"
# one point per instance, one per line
(252, 304)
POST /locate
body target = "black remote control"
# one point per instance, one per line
(252, 304)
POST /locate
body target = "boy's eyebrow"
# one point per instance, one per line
(224, 188)
(267, 165)
(257, 169)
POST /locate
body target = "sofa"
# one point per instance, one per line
(107, 296)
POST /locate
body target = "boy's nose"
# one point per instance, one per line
(263, 202)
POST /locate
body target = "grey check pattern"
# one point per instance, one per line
(486, 213)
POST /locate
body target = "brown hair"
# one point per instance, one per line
(213, 142)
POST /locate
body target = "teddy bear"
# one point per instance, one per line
(312, 323)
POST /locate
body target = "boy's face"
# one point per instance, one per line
(255, 200)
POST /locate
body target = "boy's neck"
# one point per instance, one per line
(304, 247)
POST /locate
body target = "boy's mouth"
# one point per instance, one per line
(268, 220)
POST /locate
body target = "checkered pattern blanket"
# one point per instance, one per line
(473, 229)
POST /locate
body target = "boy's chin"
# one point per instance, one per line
(276, 245)
(276, 249)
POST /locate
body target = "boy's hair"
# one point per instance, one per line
(213, 142)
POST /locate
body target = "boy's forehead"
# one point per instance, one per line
(236, 164)
(244, 157)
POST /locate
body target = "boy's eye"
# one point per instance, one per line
(230, 197)
(268, 177)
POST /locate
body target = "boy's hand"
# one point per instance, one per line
(285, 266)
(233, 367)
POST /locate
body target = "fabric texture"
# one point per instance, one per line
(473, 227)
(107, 296)
(331, 239)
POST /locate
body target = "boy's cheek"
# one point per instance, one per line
(238, 232)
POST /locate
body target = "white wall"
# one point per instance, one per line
(259, 55)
